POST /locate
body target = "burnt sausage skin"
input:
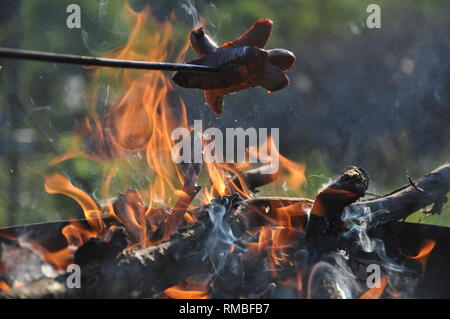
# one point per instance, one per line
(246, 64)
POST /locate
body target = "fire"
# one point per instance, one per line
(299, 284)
(286, 222)
(284, 229)
(59, 259)
(59, 184)
(130, 210)
(133, 136)
(187, 290)
(376, 292)
(77, 234)
(219, 182)
(424, 252)
(291, 173)
(139, 121)
(4, 286)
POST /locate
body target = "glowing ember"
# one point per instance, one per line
(376, 292)
(187, 290)
(4, 286)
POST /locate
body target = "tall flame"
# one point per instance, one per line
(139, 121)
(134, 135)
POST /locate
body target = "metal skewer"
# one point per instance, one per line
(102, 62)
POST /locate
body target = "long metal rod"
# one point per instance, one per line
(102, 62)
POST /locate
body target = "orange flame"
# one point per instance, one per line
(4, 286)
(376, 292)
(299, 283)
(59, 184)
(424, 252)
(187, 290)
(291, 173)
(137, 128)
(130, 210)
(59, 259)
(77, 234)
(139, 120)
(276, 238)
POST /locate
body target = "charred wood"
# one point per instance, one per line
(147, 271)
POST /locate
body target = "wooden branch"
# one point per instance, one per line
(399, 204)
(345, 190)
(190, 190)
(144, 272)
(428, 190)
(136, 273)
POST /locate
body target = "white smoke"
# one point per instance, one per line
(191, 11)
(359, 221)
(221, 239)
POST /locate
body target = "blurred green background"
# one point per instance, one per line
(378, 98)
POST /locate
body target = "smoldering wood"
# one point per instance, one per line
(399, 204)
(325, 219)
(143, 272)
(136, 273)
(431, 189)
(345, 190)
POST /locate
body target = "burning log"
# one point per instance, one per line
(431, 189)
(325, 220)
(110, 271)
(137, 273)
(324, 211)
(399, 204)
